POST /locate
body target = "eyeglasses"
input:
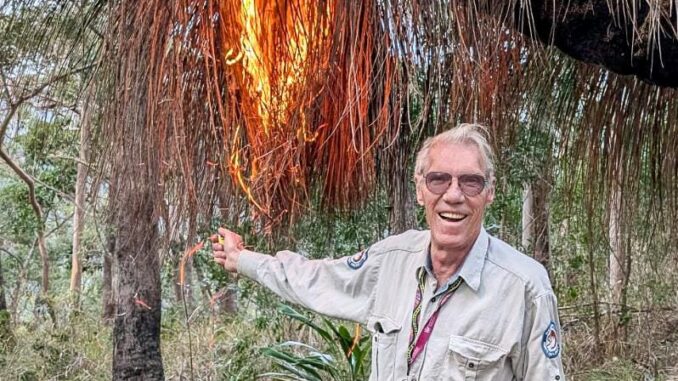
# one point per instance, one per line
(470, 185)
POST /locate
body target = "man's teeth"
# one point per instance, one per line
(452, 216)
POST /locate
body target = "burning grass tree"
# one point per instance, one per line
(267, 98)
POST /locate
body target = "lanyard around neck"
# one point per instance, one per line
(418, 343)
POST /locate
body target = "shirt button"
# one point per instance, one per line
(471, 365)
(557, 378)
(433, 300)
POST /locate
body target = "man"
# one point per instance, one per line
(452, 303)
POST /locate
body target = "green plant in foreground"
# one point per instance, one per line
(347, 356)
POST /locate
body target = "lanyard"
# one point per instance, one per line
(416, 347)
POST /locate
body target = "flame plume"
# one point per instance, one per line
(300, 80)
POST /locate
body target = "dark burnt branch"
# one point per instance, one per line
(635, 43)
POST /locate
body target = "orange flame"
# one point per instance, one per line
(310, 90)
(268, 51)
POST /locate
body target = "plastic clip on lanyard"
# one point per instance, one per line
(416, 347)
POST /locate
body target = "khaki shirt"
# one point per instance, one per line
(500, 324)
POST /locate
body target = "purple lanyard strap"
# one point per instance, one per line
(416, 347)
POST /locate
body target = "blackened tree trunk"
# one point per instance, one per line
(136, 334)
(136, 180)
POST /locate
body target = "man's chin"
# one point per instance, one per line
(452, 243)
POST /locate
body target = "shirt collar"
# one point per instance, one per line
(472, 268)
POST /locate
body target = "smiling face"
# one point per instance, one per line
(454, 218)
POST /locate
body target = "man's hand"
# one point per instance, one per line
(226, 247)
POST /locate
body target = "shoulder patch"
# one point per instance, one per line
(550, 343)
(357, 261)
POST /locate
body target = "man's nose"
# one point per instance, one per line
(453, 193)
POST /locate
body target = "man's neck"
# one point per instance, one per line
(445, 263)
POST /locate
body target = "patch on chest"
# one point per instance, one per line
(357, 261)
(550, 343)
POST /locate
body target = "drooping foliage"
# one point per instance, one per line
(268, 98)
(277, 100)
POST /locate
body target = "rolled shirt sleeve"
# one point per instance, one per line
(341, 288)
(541, 355)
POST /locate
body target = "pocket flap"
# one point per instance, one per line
(475, 349)
(382, 324)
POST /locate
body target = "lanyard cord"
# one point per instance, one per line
(417, 346)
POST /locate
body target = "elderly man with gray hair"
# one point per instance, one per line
(449, 303)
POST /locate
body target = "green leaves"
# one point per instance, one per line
(300, 361)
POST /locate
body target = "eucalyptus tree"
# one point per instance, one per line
(43, 57)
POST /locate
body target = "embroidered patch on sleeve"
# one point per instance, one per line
(550, 343)
(357, 261)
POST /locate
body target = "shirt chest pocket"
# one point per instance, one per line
(384, 343)
(473, 360)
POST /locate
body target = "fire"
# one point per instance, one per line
(307, 86)
(268, 50)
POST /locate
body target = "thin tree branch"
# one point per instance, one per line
(61, 194)
(89, 166)
(5, 86)
(28, 180)
(14, 105)
(52, 80)
(12, 255)
(38, 213)
(59, 225)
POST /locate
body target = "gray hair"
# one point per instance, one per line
(465, 133)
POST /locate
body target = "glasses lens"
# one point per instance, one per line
(438, 182)
(471, 185)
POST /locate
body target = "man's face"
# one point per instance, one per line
(453, 217)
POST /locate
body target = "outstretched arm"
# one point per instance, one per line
(342, 288)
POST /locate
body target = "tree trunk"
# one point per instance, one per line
(620, 264)
(79, 214)
(401, 202)
(593, 284)
(107, 299)
(535, 220)
(527, 236)
(617, 252)
(6, 336)
(136, 334)
(398, 175)
(541, 249)
(20, 281)
(138, 187)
